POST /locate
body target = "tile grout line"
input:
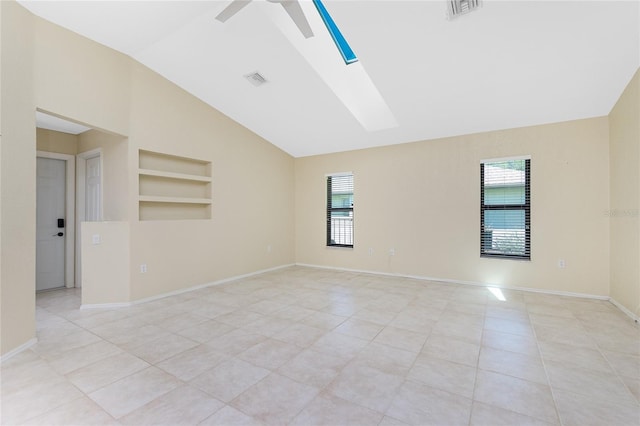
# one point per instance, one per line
(546, 372)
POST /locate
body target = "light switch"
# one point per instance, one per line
(96, 239)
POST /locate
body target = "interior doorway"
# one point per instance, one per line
(56, 141)
(55, 220)
(94, 159)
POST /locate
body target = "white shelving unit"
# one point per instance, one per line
(158, 173)
(173, 187)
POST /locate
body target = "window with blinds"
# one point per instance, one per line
(505, 209)
(340, 210)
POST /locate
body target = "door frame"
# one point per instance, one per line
(81, 167)
(70, 222)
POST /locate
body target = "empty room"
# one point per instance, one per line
(320, 212)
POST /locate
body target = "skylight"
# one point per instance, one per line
(342, 45)
(351, 84)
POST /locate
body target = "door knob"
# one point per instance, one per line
(59, 234)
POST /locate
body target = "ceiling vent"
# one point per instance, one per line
(256, 79)
(456, 8)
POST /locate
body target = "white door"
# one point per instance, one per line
(50, 231)
(93, 198)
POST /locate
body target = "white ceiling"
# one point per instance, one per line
(510, 64)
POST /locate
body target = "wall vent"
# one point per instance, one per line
(256, 78)
(456, 8)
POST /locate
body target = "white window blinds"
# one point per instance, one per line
(340, 210)
(505, 209)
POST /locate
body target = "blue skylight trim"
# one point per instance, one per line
(342, 45)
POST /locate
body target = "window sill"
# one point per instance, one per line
(497, 256)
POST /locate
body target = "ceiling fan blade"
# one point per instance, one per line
(232, 9)
(294, 10)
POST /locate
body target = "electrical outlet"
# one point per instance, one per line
(96, 239)
(392, 251)
(143, 268)
(562, 264)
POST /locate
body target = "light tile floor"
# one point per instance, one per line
(306, 346)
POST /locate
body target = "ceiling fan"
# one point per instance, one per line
(293, 8)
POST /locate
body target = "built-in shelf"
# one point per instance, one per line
(171, 175)
(173, 187)
(156, 199)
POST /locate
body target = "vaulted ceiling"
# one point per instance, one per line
(508, 64)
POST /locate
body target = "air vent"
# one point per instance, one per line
(456, 8)
(256, 78)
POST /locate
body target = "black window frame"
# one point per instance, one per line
(331, 209)
(526, 207)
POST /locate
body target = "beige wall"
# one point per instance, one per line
(18, 179)
(57, 71)
(80, 79)
(624, 134)
(105, 266)
(52, 141)
(422, 199)
(252, 194)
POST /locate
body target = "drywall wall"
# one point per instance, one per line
(18, 179)
(105, 262)
(624, 212)
(252, 180)
(80, 79)
(422, 199)
(52, 141)
(252, 192)
(57, 71)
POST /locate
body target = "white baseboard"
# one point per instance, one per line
(19, 349)
(624, 310)
(362, 271)
(105, 305)
(450, 281)
(182, 290)
(34, 340)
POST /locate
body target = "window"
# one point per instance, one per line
(505, 209)
(340, 210)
